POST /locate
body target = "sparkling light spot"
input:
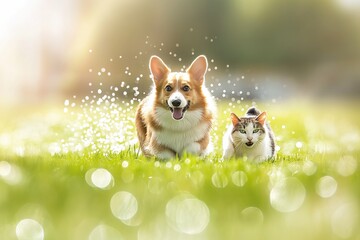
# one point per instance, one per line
(287, 195)
(326, 186)
(123, 205)
(29, 229)
(125, 164)
(219, 180)
(187, 214)
(168, 165)
(177, 167)
(299, 145)
(101, 178)
(239, 178)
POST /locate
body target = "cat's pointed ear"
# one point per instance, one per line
(198, 69)
(235, 120)
(158, 69)
(261, 118)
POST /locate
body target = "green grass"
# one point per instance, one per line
(307, 192)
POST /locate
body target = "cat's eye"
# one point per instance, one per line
(256, 130)
(168, 88)
(186, 88)
(242, 131)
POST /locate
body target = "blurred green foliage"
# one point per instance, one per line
(297, 33)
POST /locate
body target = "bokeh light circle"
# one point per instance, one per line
(252, 216)
(123, 205)
(29, 229)
(104, 232)
(346, 166)
(219, 180)
(187, 214)
(326, 187)
(101, 178)
(345, 220)
(287, 195)
(239, 178)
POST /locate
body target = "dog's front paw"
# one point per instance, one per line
(165, 155)
(193, 148)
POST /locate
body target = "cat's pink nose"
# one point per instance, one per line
(250, 138)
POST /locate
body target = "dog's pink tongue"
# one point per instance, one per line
(177, 113)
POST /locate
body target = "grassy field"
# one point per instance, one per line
(78, 175)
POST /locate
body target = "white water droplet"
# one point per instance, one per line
(29, 229)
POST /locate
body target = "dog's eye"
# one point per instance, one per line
(168, 88)
(242, 131)
(256, 130)
(186, 88)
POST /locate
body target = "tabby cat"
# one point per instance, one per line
(249, 136)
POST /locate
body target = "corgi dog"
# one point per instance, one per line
(177, 115)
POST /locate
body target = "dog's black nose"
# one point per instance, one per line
(176, 102)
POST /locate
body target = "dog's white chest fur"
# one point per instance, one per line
(181, 135)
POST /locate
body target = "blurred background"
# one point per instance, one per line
(50, 50)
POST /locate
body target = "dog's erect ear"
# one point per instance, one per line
(198, 68)
(261, 118)
(234, 119)
(158, 69)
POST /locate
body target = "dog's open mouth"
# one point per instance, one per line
(178, 113)
(249, 144)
